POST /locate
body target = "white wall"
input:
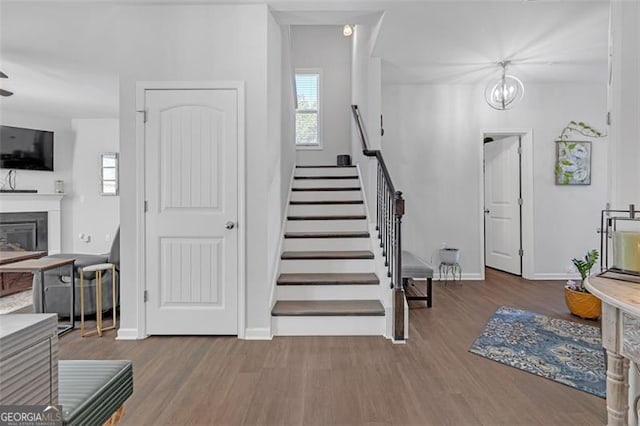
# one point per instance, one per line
(324, 47)
(366, 84)
(197, 42)
(276, 195)
(625, 104)
(433, 145)
(95, 215)
(287, 143)
(41, 180)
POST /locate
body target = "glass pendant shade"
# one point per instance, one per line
(506, 92)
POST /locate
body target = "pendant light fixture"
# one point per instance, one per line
(506, 92)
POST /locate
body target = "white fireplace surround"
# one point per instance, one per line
(50, 203)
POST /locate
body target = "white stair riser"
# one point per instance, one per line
(325, 209)
(328, 292)
(330, 244)
(328, 326)
(325, 195)
(326, 183)
(326, 171)
(326, 225)
(325, 266)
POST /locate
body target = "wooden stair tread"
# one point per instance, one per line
(324, 177)
(328, 308)
(328, 279)
(325, 202)
(335, 234)
(346, 188)
(327, 217)
(323, 167)
(327, 255)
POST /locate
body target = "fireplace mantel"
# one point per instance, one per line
(30, 202)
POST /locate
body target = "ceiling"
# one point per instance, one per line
(61, 57)
(462, 42)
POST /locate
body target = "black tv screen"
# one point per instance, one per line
(26, 149)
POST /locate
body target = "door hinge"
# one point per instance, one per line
(609, 118)
(146, 296)
(520, 252)
(144, 116)
(146, 206)
(519, 150)
(520, 201)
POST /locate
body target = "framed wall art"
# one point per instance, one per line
(573, 163)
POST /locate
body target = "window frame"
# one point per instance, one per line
(316, 146)
(116, 168)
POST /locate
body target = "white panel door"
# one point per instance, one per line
(502, 209)
(191, 149)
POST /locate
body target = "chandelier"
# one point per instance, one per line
(506, 92)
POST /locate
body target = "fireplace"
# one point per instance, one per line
(21, 231)
(25, 231)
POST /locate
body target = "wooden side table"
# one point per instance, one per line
(98, 269)
(15, 282)
(40, 266)
(621, 339)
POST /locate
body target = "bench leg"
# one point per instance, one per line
(429, 292)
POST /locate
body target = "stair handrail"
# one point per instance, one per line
(389, 212)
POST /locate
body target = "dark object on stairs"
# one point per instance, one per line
(344, 160)
(412, 267)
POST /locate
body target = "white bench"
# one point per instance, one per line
(412, 267)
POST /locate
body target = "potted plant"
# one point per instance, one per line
(579, 301)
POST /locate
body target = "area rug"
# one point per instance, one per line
(564, 351)
(15, 301)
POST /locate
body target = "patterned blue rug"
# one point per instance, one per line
(567, 352)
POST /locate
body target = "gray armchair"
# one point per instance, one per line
(57, 283)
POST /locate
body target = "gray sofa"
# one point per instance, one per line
(57, 283)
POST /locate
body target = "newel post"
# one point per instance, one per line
(398, 290)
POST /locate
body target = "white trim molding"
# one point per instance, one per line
(261, 333)
(141, 87)
(526, 183)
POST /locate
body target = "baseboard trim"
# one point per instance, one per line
(129, 334)
(471, 276)
(258, 334)
(555, 276)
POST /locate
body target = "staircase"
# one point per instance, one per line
(327, 282)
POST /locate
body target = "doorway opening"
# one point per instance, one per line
(507, 202)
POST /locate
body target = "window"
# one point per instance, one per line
(308, 109)
(109, 173)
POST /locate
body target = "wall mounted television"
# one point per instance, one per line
(26, 149)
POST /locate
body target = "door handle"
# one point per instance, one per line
(487, 211)
(229, 225)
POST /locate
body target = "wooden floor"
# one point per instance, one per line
(432, 380)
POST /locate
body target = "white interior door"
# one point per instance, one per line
(502, 206)
(191, 149)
